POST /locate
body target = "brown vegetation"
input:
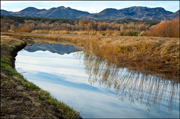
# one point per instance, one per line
(161, 56)
(87, 26)
(149, 54)
(91, 27)
(165, 29)
(22, 29)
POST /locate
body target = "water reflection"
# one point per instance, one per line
(52, 47)
(114, 92)
(155, 92)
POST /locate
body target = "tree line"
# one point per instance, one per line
(124, 27)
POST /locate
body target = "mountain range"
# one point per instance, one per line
(52, 47)
(136, 13)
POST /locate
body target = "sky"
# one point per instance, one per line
(89, 6)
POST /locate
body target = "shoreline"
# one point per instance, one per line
(21, 98)
(156, 55)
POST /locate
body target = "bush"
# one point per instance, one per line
(24, 29)
(4, 28)
(121, 33)
(103, 34)
(142, 33)
(132, 33)
(165, 29)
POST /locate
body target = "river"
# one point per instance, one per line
(94, 87)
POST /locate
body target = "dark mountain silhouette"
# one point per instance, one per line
(4, 12)
(62, 12)
(136, 13)
(31, 10)
(28, 12)
(51, 47)
(59, 12)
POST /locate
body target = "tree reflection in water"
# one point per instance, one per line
(156, 93)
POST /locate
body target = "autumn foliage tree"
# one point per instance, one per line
(5, 24)
(165, 29)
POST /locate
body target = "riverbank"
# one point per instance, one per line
(23, 99)
(157, 55)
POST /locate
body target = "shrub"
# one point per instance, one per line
(103, 34)
(165, 29)
(142, 33)
(132, 33)
(121, 33)
(74, 41)
(24, 29)
(4, 28)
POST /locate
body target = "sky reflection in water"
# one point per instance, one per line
(96, 88)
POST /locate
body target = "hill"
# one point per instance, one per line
(136, 13)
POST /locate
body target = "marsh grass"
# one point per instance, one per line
(127, 32)
(151, 54)
(21, 98)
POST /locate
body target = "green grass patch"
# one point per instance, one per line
(5, 60)
(132, 33)
(6, 67)
(44, 95)
(121, 33)
(103, 34)
(30, 85)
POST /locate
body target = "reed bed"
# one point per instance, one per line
(150, 54)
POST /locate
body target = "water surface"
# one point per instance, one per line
(96, 88)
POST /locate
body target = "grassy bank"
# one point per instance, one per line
(23, 99)
(144, 54)
(147, 54)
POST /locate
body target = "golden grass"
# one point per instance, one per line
(127, 32)
(155, 55)
(150, 54)
(40, 31)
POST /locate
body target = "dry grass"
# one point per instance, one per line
(150, 54)
(160, 56)
(127, 32)
(40, 31)
(62, 32)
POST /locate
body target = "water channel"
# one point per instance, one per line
(94, 87)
